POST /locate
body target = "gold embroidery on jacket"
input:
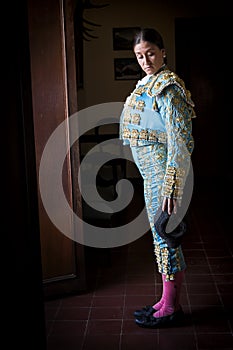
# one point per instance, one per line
(134, 136)
(136, 118)
(174, 182)
(132, 101)
(140, 104)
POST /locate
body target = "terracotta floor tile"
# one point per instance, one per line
(130, 327)
(140, 290)
(139, 301)
(103, 313)
(110, 301)
(73, 313)
(68, 328)
(111, 289)
(97, 327)
(65, 341)
(205, 299)
(99, 342)
(78, 301)
(212, 341)
(139, 341)
(177, 341)
(202, 288)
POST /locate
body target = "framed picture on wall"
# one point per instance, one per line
(127, 69)
(123, 38)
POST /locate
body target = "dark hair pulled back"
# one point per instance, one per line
(149, 34)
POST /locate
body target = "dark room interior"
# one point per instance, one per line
(92, 307)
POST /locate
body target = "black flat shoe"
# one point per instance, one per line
(145, 311)
(174, 319)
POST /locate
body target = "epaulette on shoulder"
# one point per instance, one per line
(165, 78)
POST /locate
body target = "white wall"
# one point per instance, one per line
(98, 69)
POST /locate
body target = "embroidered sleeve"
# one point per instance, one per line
(177, 114)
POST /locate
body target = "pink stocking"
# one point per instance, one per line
(159, 304)
(171, 296)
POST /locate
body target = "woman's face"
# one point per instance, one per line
(149, 56)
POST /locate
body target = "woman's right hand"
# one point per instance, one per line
(170, 205)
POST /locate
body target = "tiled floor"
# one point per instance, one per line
(125, 278)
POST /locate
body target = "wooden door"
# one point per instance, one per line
(54, 100)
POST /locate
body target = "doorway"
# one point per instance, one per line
(202, 60)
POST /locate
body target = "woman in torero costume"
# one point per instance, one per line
(156, 122)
